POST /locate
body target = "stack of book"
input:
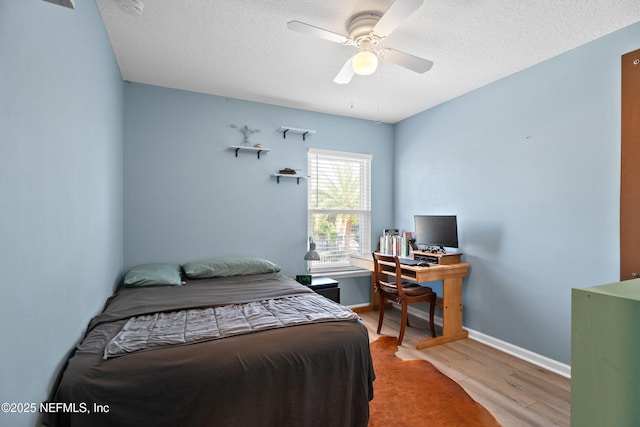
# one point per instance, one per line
(392, 242)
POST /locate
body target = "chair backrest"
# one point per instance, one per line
(380, 276)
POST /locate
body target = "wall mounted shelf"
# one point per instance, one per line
(289, 129)
(286, 175)
(257, 150)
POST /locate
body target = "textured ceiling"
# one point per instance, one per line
(242, 48)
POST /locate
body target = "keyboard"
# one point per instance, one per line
(414, 262)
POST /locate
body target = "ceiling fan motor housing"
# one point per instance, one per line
(361, 27)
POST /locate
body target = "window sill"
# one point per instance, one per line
(336, 274)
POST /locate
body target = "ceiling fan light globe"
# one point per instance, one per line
(364, 63)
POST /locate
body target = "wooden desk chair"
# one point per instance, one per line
(402, 292)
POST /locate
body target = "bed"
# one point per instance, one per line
(304, 373)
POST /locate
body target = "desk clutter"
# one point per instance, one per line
(426, 246)
(439, 258)
(402, 245)
(392, 242)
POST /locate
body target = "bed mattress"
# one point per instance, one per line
(314, 374)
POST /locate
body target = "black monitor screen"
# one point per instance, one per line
(436, 230)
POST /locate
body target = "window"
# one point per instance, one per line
(339, 206)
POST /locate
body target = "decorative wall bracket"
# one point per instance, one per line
(258, 150)
(295, 175)
(289, 129)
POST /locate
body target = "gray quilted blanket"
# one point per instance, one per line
(195, 325)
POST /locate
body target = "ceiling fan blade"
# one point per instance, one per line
(345, 74)
(406, 60)
(399, 11)
(311, 30)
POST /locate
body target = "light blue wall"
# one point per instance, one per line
(530, 164)
(61, 97)
(188, 197)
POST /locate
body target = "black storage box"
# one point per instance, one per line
(326, 287)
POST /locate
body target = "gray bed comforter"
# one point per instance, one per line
(312, 374)
(151, 331)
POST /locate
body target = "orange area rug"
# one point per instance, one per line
(411, 393)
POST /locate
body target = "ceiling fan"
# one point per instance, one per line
(365, 31)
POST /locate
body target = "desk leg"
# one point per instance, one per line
(451, 315)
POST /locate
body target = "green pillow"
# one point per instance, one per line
(228, 266)
(153, 274)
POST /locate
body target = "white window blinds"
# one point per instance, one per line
(339, 206)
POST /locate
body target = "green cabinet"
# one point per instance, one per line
(605, 355)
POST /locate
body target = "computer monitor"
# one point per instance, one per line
(436, 230)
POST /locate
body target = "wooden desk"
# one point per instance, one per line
(451, 302)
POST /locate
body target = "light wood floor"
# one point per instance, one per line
(516, 393)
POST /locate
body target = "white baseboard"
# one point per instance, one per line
(354, 306)
(519, 352)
